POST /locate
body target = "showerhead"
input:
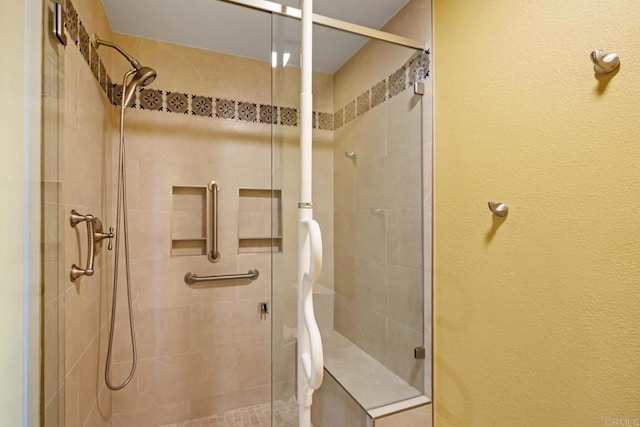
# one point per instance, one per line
(142, 77)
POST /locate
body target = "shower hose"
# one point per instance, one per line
(121, 211)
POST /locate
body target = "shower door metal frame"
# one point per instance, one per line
(325, 21)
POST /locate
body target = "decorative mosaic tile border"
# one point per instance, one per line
(414, 70)
(80, 36)
(219, 108)
(182, 103)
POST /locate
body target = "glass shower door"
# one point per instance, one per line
(285, 93)
(29, 293)
(52, 273)
(368, 180)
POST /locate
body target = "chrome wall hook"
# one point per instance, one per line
(351, 155)
(604, 63)
(499, 209)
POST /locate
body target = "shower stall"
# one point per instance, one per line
(213, 188)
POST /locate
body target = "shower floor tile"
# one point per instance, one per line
(251, 416)
(285, 414)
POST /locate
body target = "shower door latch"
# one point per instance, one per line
(419, 353)
(58, 24)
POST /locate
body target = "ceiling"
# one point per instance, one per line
(223, 27)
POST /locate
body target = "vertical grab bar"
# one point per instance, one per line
(212, 215)
(313, 362)
(76, 219)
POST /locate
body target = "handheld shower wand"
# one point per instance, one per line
(142, 76)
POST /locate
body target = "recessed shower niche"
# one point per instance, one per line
(259, 220)
(189, 220)
(194, 224)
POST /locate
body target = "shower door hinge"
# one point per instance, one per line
(418, 88)
(58, 24)
(419, 353)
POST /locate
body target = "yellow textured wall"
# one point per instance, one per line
(536, 318)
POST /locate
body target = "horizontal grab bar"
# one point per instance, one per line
(192, 278)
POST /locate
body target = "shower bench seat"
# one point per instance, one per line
(362, 391)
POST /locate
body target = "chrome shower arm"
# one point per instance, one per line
(96, 42)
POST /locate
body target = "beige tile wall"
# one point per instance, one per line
(380, 262)
(378, 59)
(417, 417)
(196, 346)
(333, 407)
(86, 139)
(205, 350)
